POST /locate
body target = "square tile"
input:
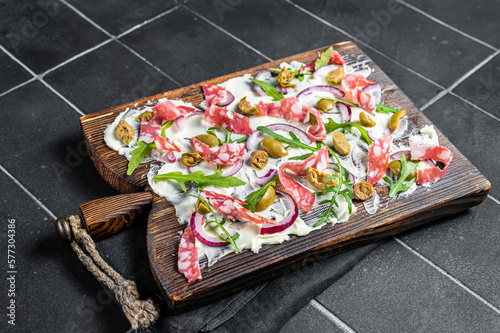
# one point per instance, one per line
(393, 290)
(44, 33)
(412, 39)
(106, 77)
(208, 54)
(483, 87)
(12, 73)
(310, 319)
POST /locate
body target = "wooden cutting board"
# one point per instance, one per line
(461, 188)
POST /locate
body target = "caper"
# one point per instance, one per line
(336, 75)
(246, 107)
(191, 159)
(146, 115)
(318, 178)
(285, 78)
(259, 159)
(208, 139)
(325, 104)
(274, 147)
(363, 190)
(340, 143)
(125, 131)
(366, 120)
(267, 200)
(202, 208)
(395, 167)
(394, 122)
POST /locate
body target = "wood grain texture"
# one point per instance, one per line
(462, 188)
(105, 217)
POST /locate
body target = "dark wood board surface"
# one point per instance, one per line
(461, 188)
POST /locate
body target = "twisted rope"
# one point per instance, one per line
(139, 313)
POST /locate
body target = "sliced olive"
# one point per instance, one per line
(363, 190)
(208, 139)
(340, 143)
(191, 159)
(366, 120)
(267, 200)
(259, 159)
(325, 104)
(336, 75)
(246, 107)
(125, 131)
(202, 208)
(285, 78)
(394, 122)
(274, 147)
(395, 167)
(318, 178)
(146, 115)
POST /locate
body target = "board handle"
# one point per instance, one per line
(105, 217)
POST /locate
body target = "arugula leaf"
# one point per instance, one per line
(294, 71)
(332, 126)
(382, 108)
(269, 90)
(138, 154)
(319, 145)
(200, 178)
(323, 59)
(406, 169)
(338, 100)
(228, 135)
(253, 198)
(165, 126)
(295, 141)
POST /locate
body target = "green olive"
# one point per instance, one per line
(336, 75)
(325, 104)
(395, 167)
(191, 159)
(246, 107)
(318, 178)
(363, 190)
(125, 131)
(146, 115)
(267, 200)
(259, 159)
(366, 120)
(394, 122)
(202, 208)
(274, 147)
(340, 143)
(208, 139)
(285, 78)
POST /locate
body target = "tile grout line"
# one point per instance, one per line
(140, 25)
(494, 199)
(229, 34)
(362, 43)
(477, 40)
(18, 183)
(474, 105)
(62, 97)
(448, 275)
(18, 86)
(331, 316)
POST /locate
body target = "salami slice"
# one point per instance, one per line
(149, 130)
(421, 151)
(378, 158)
(287, 108)
(163, 143)
(232, 209)
(367, 102)
(350, 84)
(231, 121)
(214, 94)
(227, 154)
(169, 111)
(316, 131)
(335, 58)
(188, 256)
(302, 196)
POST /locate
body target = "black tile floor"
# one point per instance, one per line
(60, 60)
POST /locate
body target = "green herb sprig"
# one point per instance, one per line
(293, 142)
(228, 135)
(138, 154)
(253, 199)
(294, 71)
(323, 59)
(331, 126)
(400, 186)
(269, 90)
(165, 126)
(200, 178)
(382, 108)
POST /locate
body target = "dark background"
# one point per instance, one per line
(60, 60)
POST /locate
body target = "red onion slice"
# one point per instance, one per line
(265, 76)
(287, 221)
(234, 170)
(281, 89)
(171, 157)
(397, 155)
(190, 169)
(321, 88)
(253, 140)
(387, 131)
(323, 71)
(267, 177)
(182, 121)
(345, 111)
(352, 178)
(374, 90)
(228, 99)
(196, 224)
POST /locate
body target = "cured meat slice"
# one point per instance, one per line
(232, 209)
(149, 130)
(378, 159)
(302, 196)
(421, 151)
(169, 111)
(188, 256)
(214, 94)
(227, 154)
(231, 121)
(354, 94)
(335, 58)
(287, 108)
(163, 143)
(367, 102)
(316, 131)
